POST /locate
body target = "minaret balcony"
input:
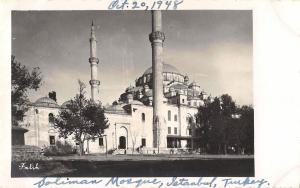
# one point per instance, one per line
(94, 82)
(157, 35)
(93, 59)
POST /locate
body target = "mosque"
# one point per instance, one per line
(154, 116)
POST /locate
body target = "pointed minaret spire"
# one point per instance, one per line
(93, 31)
(94, 82)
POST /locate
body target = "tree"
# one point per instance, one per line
(83, 119)
(219, 129)
(22, 80)
(227, 105)
(134, 136)
(247, 128)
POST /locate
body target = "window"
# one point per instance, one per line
(36, 111)
(175, 130)
(195, 103)
(182, 100)
(169, 130)
(175, 117)
(101, 141)
(143, 117)
(51, 118)
(52, 140)
(189, 103)
(169, 115)
(143, 142)
(190, 131)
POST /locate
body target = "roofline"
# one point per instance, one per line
(163, 72)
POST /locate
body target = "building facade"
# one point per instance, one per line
(154, 116)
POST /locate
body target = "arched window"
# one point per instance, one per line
(51, 118)
(143, 117)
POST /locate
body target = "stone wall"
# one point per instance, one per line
(26, 153)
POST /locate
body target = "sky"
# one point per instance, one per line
(213, 47)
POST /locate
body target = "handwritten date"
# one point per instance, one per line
(141, 5)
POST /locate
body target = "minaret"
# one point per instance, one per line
(94, 65)
(157, 38)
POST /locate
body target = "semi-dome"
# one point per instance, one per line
(118, 108)
(45, 102)
(166, 68)
(65, 104)
(136, 102)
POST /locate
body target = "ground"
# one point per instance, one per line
(137, 166)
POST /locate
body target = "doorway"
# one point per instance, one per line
(122, 142)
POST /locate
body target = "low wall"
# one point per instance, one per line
(26, 153)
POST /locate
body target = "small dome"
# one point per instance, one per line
(149, 93)
(194, 84)
(45, 102)
(64, 105)
(166, 68)
(136, 102)
(119, 108)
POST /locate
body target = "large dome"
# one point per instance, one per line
(166, 68)
(45, 102)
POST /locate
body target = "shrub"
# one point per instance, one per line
(111, 151)
(59, 149)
